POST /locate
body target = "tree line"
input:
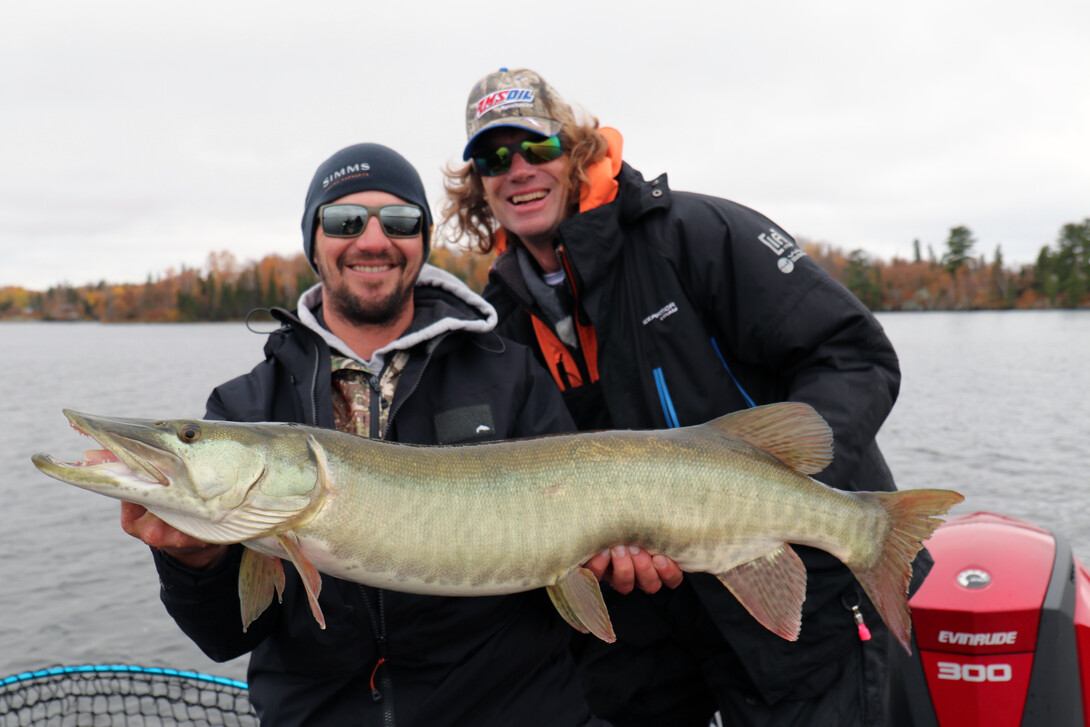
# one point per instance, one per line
(957, 278)
(961, 279)
(224, 290)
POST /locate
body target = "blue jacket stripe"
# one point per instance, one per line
(715, 345)
(664, 398)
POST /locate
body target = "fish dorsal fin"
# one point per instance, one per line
(791, 431)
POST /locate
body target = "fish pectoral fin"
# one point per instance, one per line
(790, 431)
(772, 588)
(312, 579)
(235, 527)
(578, 598)
(200, 527)
(258, 576)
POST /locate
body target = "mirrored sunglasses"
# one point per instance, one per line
(350, 220)
(495, 161)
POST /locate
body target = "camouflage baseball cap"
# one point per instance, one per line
(518, 98)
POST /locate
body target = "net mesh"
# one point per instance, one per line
(108, 695)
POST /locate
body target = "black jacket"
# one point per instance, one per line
(448, 661)
(701, 307)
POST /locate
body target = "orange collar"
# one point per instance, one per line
(602, 183)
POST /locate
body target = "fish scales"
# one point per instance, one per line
(727, 497)
(444, 518)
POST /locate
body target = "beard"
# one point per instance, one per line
(351, 307)
(376, 311)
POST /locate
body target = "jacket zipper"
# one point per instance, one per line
(384, 691)
(416, 384)
(314, 385)
(578, 318)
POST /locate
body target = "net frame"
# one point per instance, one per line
(91, 695)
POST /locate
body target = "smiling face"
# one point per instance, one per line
(531, 200)
(368, 279)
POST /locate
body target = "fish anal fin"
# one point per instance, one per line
(791, 431)
(258, 576)
(578, 598)
(308, 574)
(772, 588)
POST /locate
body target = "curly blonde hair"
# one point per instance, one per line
(467, 212)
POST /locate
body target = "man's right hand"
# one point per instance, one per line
(187, 550)
(625, 567)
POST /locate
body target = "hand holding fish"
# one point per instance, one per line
(625, 567)
(187, 550)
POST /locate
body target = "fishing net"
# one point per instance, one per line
(109, 695)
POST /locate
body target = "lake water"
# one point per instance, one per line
(992, 404)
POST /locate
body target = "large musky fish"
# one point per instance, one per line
(727, 497)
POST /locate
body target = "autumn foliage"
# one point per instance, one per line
(227, 289)
(224, 290)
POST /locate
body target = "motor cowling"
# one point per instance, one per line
(999, 627)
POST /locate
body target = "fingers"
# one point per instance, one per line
(624, 571)
(668, 571)
(626, 567)
(632, 566)
(599, 564)
(142, 525)
(647, 577)
(130, 516)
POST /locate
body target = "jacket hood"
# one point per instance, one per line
(442, 302)
(601, 187)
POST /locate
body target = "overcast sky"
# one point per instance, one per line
(136, 137)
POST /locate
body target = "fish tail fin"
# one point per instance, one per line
(913, 517)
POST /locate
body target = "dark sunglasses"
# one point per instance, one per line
(349, 220)
(495, 161)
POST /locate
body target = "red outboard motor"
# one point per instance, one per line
(1001, 631)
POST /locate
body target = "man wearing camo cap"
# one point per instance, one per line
(654, 308)
(384, 346)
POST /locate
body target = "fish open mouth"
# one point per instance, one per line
(120, 458)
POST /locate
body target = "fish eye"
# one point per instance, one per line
(190, 433)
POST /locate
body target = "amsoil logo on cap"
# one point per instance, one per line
(506, 97)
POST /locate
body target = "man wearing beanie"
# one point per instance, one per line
(654, 308)
(385, 346)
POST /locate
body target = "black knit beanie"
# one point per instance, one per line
(361, 168)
